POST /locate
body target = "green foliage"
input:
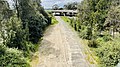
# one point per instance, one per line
(36, 25)
(96, 43)
(66, 19)
(97, 21)
(55, 7)
(71, 6)
(12, 58)
(92, 43)
(83, 33)
(54, 21)
(92, 14)
(32, 20)
(18, 31)
(15, 35)
(107, 38)
(42, 11)
(100, 41)
(109, 53)
(52, 18)
(113, 20)
(2, 49)
(45, 14)
(72, 21)
(4, 8)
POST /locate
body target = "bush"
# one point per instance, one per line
(109, 53)
(92, 43)
(2, 49)
(78, 27)
(19, 30)
(95, 43)
(14, 36)
(29, 49)
(52, 18)
(107, 38)
(66, 19)
(83, 33)
(100, 41)
(12, 58)
(36, 25)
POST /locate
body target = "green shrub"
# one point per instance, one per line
(95, 43)
(2, 49)
(109, 53)
(10, 57)
(36, 25)
(15, 36)
(83, 33)
(54, 21)
(19, 30)
(92, 43)
(29, 49)
(66, 19)
(78, 27)
(100, 41)
(107, 38)
(72, 22)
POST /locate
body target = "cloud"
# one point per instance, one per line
(10, 3)
(50, 3)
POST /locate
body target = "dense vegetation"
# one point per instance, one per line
(98, 21)
(71, 6)
(21, 28)
(54, 20)
(68, 6)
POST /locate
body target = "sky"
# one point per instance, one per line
(10, 3)
(49, 3)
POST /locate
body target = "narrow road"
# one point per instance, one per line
(61, 47)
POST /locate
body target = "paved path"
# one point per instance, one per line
(61, 47)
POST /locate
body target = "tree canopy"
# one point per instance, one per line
(21, 29)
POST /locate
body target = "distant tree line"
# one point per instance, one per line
(68, 6)
(71, 6)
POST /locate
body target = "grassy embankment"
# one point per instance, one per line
(53, 19)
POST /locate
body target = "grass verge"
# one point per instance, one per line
(66, 19)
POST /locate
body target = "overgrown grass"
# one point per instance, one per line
(66, 19)
(90, 55)
(108, 52)
(105, 51)
(54, 21)
(10, 57)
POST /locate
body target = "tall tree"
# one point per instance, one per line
(113, 20)
(71, 6)
(55, 7)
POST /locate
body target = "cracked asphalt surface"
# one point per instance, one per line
(61, 47)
